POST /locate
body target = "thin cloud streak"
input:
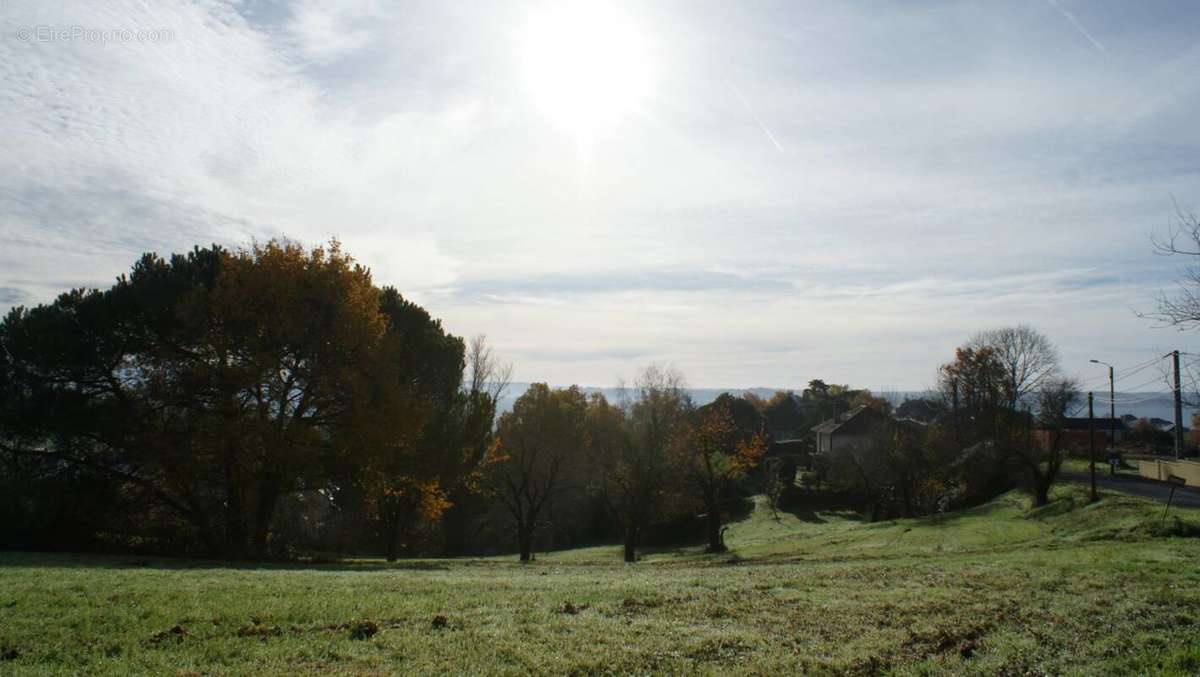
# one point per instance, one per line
(754, 116)
(1079, 27)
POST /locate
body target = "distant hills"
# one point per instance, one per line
(1141, 405)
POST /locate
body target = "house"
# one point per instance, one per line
(853, 429)
(1075, 431)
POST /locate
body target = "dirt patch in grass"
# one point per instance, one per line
(719, 649)
(964, 641)
(259, 630)
(176, 633)
(360, 630)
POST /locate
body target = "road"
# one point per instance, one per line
(1138, 486)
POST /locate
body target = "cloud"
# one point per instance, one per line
(11, 296)
(947, 168)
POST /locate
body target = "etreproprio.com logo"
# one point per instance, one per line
(101, 36)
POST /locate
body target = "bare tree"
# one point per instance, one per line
(1028, 357)
(1181, 309)
(485, 373)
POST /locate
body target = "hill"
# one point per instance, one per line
(1139, 404)
(1072, 588)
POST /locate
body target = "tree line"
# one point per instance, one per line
(274, 401)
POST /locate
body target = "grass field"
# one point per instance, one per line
(1071, 588)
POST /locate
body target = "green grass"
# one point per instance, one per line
(1072, 588)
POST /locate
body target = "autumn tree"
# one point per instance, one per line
(973, 395)
(207, 386)
(537, 448)
(723, 442)
(864, 398)
(406, 473)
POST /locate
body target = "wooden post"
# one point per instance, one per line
(1112, 421)
(1092, 445)
(1178, 409)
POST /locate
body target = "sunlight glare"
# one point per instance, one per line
(586, 65)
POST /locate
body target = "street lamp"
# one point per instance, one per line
(1112, 413)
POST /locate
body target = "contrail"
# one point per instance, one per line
(1078, 26)
(756, 120)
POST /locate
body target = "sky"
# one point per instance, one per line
(757, 193)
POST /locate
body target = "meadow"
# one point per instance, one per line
(1071, 588)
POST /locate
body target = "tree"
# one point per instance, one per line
(206, 387)
(723, 442)
(921, 409)
(634, 473)
(989, 395)
(472, 419)
(864, 398)
(266, 376)
(1181, 309)
(1027, 357)
(973, 435)
(783, 413)
(1041, 459)
(537, 444)
(824, 401)
(406, 476)
(973, 394)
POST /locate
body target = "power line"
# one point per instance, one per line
(1126, 372)
(1160, 379)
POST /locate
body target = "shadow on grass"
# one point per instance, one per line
(809, 506)
(10, 560)
(1055, 508)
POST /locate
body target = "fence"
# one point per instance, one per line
(1159, 470)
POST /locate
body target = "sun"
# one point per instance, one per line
(586, 65)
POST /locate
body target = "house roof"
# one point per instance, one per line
(834, 424)
(1101, 424)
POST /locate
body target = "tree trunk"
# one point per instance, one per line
(716, 543)
(237, 532)
(391, 539)
(525, 542)
(268, 498)
(1041, 495)
(631, 535)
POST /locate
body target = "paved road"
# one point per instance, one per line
(1138, 486)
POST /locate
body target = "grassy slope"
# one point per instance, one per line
(1071, 588)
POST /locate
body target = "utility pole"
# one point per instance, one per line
(1178, 409)
(1112, 415)
(1113, 424)
(1092, 444)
